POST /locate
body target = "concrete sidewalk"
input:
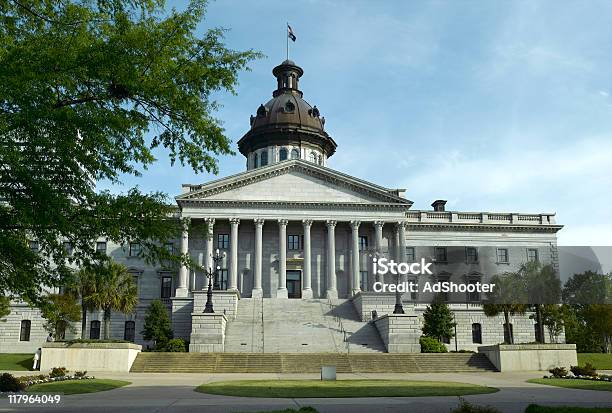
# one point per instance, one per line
(175, 393)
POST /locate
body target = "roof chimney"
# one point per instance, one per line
(438, 205)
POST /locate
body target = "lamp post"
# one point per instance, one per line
(210, 273)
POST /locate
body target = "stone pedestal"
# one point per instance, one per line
(207, 333)
(399, 332)
(525, 357)
(182, 307)
(257, 293)
(367, 301)
(224, 302)
(307, 293)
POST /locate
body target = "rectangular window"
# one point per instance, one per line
(24, 333)
(169, 246)
(223, 241)
(101, 247)
(473, 296)
(293, 242)
(476, 333)
(471, 255)
(68, 247)
(444, 296)
(502, 256)
(410, 254)
(94, 330)
(34, 247)
(440, 253)
(414, 295)
(129, 331)
(220, 282)
(363, 243)
(135, 279)
(135, 249)
(166, 286)
(363, 279)
(532, 255)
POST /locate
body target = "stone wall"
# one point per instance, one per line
(525, 357)
(224, 302)
(366, 302)
(181, 317)
(91, 357)
(208, 333)
(399, 332)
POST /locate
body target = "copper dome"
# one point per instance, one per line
(287, 117)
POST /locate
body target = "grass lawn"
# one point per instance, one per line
(77, 386)
(534, 408)
(601, 361)
(16, 362)
(341, 388)
(575, 384)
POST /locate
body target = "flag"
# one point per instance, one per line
(290, 33)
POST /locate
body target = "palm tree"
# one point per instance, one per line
(82, 286)
(507, 298)
(114, 291)
(543, 287)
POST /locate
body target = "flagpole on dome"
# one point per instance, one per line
(287, 36)
(290, 35)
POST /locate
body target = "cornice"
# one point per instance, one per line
(370, 206)
(482, 227)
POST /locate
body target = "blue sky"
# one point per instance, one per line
(495, 106)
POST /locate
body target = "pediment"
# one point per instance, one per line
(293, 181)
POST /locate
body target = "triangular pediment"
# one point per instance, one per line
(293, 181)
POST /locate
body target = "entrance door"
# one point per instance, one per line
(294, 284)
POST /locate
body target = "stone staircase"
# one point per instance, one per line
(309, 363)
(299, 326)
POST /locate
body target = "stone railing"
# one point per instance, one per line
(479, 217)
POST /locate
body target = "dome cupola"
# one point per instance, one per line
(286, 127)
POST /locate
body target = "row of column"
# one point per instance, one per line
(332, 291)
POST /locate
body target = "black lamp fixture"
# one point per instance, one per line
(210, 274)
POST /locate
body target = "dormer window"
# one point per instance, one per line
(282, 154)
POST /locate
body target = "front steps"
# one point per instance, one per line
(309, 363)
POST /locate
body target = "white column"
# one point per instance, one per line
(257, 290)
(397, 242)
(356, 261)
(332, 291)
(402, 246)
(378, 226)
(307, 276)
(233, 281)
(210, 224)
(181, 289)
(282, 259)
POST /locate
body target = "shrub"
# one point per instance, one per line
(176, 345)
(80, 374)
(431, 345)
(587, 370)
(466, 407)
(9, 383)
(558, 372)
(58, 372)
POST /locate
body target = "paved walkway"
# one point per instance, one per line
(175, 393)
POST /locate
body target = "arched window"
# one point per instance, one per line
(129, 331)
(313, 157)
(295, 154)
(264, 158)
(94, 330)
(476, 333)
(24, 333)
(282, 154)
(320, 160)
(255, 161)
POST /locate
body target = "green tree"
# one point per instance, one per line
(588, 315)
(507, 298)
(89, 90)
(114, 290)
(553, 318)
(157, 325)
(5, 307)
(543, 287)
(438, 321)
(81, 287)
(60, 312)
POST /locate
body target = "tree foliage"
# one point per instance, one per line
(81, 286)
(88, 91)
(114, 290)
(438, 321)
(157, 325)
(507, 298)
(5, 307)
(60, 312)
